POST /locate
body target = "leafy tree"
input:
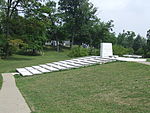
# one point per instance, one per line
(8, 10)
(148, 34)
(147, 48)
(102, 32)
(55, 31)
(138, 43)
(126, 39)
(78, 16)
(34, 36)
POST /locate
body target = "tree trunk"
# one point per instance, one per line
(72, 42)
(57, 43)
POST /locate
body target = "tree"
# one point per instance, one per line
(126, 39)
(55, 30)
(138, 43)
(8, 9)
(102, 32)
(148, 34)
(148, 44)
(78, 16)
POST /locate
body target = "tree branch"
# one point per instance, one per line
(13, 9)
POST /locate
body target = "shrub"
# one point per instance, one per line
(93, 51)
(140, 51)
(120, 50)
(78, 52)
(147, 55)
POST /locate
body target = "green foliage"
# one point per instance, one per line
(94, 51)
(140, 51)
(148, 34)
(78, 16)
(138, 43)
(78, 52)
(120, 50)
(147, 55)
(126, 39)
(17, 45)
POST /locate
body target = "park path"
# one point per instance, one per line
(146, 63)
(11, 100)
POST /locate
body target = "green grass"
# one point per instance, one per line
(148, 59)
(1, 80)
(119, 87)
(17, 61)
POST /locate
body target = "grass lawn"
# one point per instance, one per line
(17, 61)
(1, 81)
(119, 87)
(148, 59)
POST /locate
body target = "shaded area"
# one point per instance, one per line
(119, 87)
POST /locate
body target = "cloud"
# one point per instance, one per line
(127, 14)
(110, 4)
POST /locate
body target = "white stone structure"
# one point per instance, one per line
(106, 50)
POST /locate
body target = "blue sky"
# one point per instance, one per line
(127, 14)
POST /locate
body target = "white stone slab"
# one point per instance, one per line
(80, 62)
(24, 72)
(71, 63)
(131, 59)
(33, 71)
(64, 65)
(133, 56)
(98, 61)
(49, 68)
(43, 70)
(56, 66)
(89, 61)
(106, 50)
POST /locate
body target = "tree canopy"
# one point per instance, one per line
(25, 25)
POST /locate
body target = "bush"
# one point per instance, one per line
(147, 55)
(94, 52)
(78, 52)
(120, 50)
(140, 51)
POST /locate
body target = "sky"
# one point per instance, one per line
(129, 15)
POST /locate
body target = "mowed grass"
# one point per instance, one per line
(119, 87)
(1, 80)
(18, 61)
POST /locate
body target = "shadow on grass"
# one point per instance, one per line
(54, 48)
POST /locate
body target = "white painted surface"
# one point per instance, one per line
(106, 50)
